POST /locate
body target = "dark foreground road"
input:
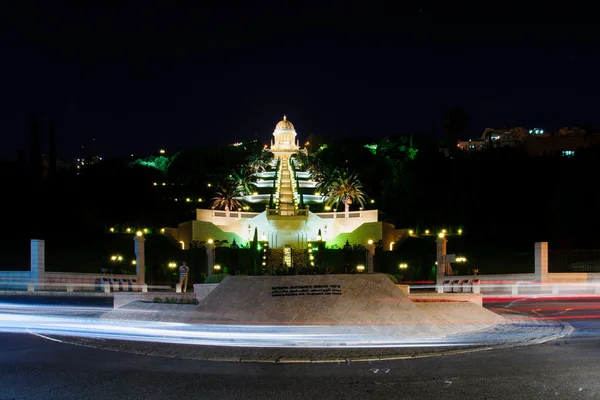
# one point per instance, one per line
(35, 368)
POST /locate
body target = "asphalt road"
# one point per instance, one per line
(35, 368)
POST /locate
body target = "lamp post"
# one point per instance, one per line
(370, 256)
(210, 256)
(140, 264)
(172, 267)
(441, 262)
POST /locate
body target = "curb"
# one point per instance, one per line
(406, 353)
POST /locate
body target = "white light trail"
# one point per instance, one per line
(205, 334)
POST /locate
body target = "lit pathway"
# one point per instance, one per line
(286, 199)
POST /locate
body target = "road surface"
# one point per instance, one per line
(32, 367)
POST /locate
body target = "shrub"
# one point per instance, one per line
(217, 278)
(392, 278)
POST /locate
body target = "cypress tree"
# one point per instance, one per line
(254, 253)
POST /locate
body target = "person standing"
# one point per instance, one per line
(183, 276)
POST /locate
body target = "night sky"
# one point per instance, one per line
(138, 78)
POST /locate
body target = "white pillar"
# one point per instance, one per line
(541, 261)
(371, 258)
(441, 262)
(38, 260)
(140, 259)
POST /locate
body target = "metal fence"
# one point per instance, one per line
(574, 261)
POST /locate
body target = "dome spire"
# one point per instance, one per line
(284, 117)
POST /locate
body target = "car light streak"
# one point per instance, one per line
(210, 334)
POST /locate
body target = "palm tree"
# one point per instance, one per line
(225, 197)
(255, 163)
(326, 177)
(346, 189)
(242, 180)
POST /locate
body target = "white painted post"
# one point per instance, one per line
(144, 288)
(441, 263)
(541, 261)
(140, 264)
(371, 258)
(515, 289)
(30, 286)
(38, 259)
(107, 288)
(178, 288)
(555, 289)
(69, 287)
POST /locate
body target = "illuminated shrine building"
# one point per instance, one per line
(288, 223)
(284, 142)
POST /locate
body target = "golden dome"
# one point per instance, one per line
(284, 125)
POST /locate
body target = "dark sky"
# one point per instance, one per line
(139, 77)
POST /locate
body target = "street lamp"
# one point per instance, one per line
(172, 266)
(360, 268)
(403, 266)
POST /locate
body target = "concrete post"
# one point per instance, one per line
(38, 260)
(441, 263)
(371, 258)
(210, 258)
(541, 261)
(140, 263)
